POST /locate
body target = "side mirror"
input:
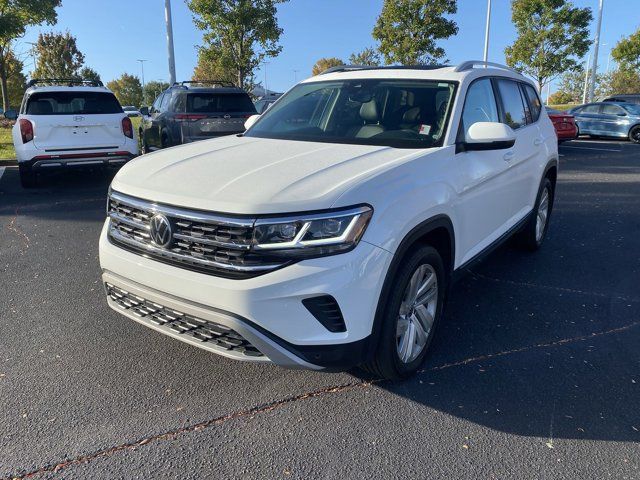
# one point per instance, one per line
(144, 111)
(11, 115)
(250, 121)
(488, 136)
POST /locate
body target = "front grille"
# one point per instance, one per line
(209, 243)
(213, 334)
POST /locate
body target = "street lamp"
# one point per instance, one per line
(486, 32)
(172, 60)
(596, 42)
(142, 67)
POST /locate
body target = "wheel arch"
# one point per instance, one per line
(438, 232)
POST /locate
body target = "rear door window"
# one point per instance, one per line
(219, 103)
(165, 102)
(609, 109)
(72, 103)
(512, 103)
(535, 105)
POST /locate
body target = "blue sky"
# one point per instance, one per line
(114, 34)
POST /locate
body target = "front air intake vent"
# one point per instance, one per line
(327, 312)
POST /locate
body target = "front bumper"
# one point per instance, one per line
(266, 310)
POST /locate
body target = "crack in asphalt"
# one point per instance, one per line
(268, 407)
(18, 232)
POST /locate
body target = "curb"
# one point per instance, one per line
(8, 163)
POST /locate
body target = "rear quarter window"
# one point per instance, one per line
(219, 102)
(72, 103)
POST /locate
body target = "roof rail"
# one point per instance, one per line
(221, 83)
(70, 82)
(351, 68)
(481, 63)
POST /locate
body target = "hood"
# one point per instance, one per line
(254, 175)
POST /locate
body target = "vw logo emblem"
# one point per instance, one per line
(227, 116)
(160, 230)
(78, 118)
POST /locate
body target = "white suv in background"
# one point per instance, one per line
(327, 235)
(69, 123)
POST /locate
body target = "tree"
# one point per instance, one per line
(210, 67)
(324, 64)
(127, 89)
(408, 30)
(151, 91)
(88, 73)
(560, 98)
(15, 17)
(627, 51)
(551, 34)
(57, 56)
(620, 81)
(368, 57)
(16, 81)
(240, 34)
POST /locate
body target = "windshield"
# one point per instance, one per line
(633, 109)
(72, 103)
(395, 113)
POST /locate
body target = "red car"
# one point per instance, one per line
(565, 125)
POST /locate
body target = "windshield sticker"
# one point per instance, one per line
(425, 129)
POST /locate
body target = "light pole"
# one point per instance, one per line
(586, 79)
(144, 99)
(172, 60)
(594, 69)
(486, 32)
(265, 77)
(295, 76)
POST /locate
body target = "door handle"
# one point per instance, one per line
(537, 141)
(508, 156)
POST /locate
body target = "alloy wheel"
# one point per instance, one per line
(543, 214)
(417, 313)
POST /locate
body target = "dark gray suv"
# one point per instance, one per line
(195, 110)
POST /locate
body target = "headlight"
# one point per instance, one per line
(312, 234)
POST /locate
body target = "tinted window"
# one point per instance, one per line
(514, 114)
(480, 104)
(156, 104)
(164, 106)
(219, 102)
(72, 103)
(591, 109)
(633, 109)
(535, 105)
(609, 109)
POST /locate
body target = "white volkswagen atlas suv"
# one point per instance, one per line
(70, 123)
(328, 234)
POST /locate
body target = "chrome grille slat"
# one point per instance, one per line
(210, 333)
(211, 243)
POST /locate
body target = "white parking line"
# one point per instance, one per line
(594, 149)
(1, 172)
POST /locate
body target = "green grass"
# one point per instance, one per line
(6, 145)
(7, 151)
(564, 106)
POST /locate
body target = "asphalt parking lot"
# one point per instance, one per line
(534, 374)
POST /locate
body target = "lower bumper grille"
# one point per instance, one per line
(213, 334)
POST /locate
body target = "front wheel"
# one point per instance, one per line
(634, 134)
(413, 309)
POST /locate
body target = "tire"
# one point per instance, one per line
(388, 361)
(634, 134)
(532, 236)
(28, 178)
(144, 148)
(164, 140)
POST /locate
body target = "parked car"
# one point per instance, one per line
(328, 235)
(68, 123)
(609, 119)
(265, 102)
(194, 110)
(565, 124)
(132, 111)
(631, 98)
